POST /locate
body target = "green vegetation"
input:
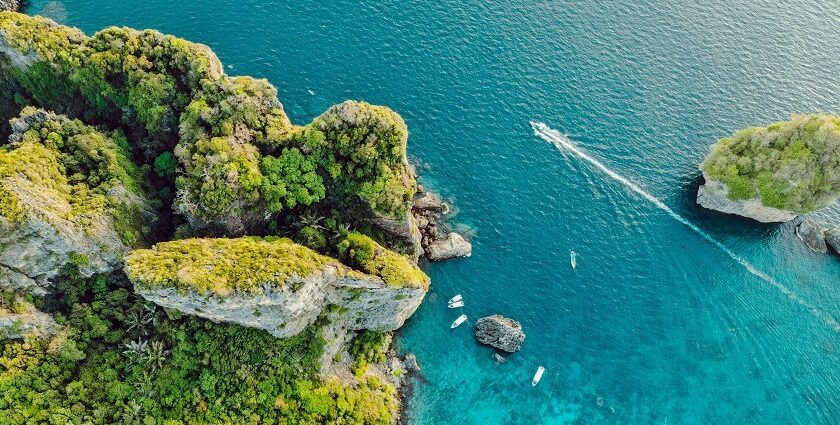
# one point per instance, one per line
(238, 154)
(792, 165)
(120, 360)
(72, 168)
(222, 266)
(362, 252)
(141, 116)
(369, 347)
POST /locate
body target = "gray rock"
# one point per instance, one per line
(428, 201)
(832, 238)
(10, 5)
(28, 321)
(499, 358)
(713, 195)
(812, 234)
(451, 246)
(500, 332)
(411, 364)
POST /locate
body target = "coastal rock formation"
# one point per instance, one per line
(272, 284)
(451, 246)
(500, 332)
(67, 195)
(714, 195)
(9, 5)
(774, 173)
(812, 234)
(832, 238)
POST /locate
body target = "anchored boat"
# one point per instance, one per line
(456, 304)
(455, 299)
(461, 319)
(537, 376)
(573, 259)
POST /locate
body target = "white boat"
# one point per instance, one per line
(537, 376)
(311, 93)
(461, 319)
(573, 259)
(455, 299)
(456, 304)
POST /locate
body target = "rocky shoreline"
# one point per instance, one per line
(714, 195)
(10, 5)
(437, 244)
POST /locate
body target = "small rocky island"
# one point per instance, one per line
(500, 332)
(175, 250)
(774, 173)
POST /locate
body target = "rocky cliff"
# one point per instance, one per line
(67, 194)
(271, 284)
(714, 195)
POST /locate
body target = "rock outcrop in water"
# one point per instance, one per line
(437, 245)
(774, 173)
(500, 332)
(832, 238)
(812, 234)
(714, 195)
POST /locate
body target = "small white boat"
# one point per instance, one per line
(311, 93)
(461, 319)
(456, 304)
(455, 299)
(537, 376)
(573, 259)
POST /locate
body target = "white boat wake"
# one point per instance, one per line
(563, 143)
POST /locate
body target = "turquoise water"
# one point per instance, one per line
(657, 324)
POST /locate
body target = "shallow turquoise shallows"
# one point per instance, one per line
(657, 325)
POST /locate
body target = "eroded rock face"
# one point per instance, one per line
(832, 238)
(713, 195)
(45, 224)
(353, 300)
(812, 234)
(451, 246)
(500, 332)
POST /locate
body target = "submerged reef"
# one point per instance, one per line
(175, 250)
(774, 173)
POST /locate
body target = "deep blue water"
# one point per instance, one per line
(656, 325)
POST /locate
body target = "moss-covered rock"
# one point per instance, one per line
(68, 193)
(774, 173)
(275, 284)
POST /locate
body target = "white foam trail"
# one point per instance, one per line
(562, 142)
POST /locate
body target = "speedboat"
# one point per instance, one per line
(455, 299)
(456, 304)
(573, 259)
(537, 376)
(461, 319)
(311, 93)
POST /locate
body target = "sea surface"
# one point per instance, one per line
(661, 323)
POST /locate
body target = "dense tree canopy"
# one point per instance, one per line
(792, 165)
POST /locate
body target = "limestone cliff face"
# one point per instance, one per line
(290, 288)
(46, 221)
(714, 196)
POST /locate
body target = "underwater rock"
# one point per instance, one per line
(812, 234)
(500, 332)
(451, 246)
(499, 358)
